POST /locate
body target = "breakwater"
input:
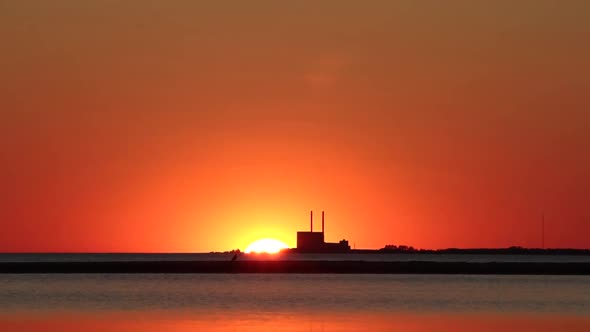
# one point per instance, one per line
(350, 267)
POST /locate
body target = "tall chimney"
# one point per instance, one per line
(322, 221)
(311, 221)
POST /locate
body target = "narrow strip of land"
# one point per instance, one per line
(350, 267)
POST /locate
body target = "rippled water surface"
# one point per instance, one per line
(291, 302)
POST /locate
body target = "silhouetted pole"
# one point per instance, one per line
(311, 221)
(322, 221)
(543, 231)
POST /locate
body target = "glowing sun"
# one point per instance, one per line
(270, 246)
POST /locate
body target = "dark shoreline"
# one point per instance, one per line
(341, 267)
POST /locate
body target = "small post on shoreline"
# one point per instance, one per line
(543, 230)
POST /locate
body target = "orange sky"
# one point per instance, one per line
(185, 126)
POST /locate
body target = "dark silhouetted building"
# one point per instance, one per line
(313, 242)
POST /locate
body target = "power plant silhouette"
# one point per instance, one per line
(313, 242)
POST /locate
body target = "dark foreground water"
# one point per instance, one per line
(291, 302)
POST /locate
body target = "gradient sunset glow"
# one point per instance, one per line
(197, 126)
(269, 246)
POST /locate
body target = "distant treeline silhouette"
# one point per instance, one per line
(478, 251)
(405, 249)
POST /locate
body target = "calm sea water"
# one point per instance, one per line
(291, 302)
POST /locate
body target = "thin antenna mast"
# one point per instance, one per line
(543, 231)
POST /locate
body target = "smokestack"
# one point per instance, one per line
(322, 221)
(311, 221)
